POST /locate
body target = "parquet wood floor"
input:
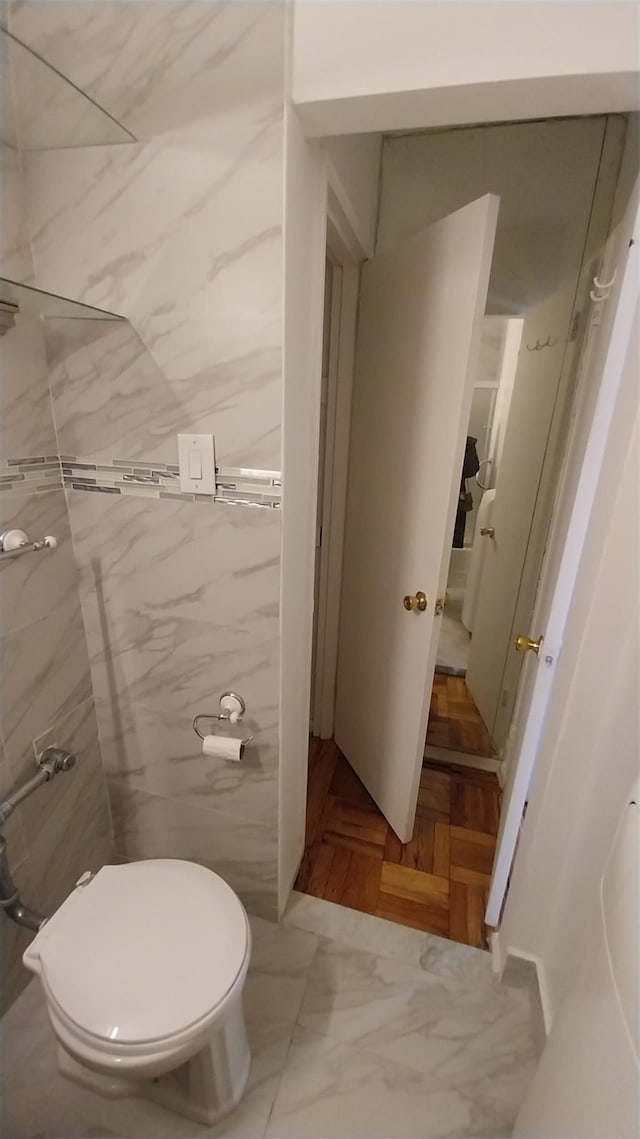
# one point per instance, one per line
(454, 720)
(437, 882)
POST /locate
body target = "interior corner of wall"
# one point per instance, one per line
(508, 954)
(344, 217)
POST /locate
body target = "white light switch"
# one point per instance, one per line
(195, 464)
(197, 459)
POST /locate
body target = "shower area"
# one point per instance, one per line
(140, 298)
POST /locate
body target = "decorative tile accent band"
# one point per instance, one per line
(31, 475)
(239, 485)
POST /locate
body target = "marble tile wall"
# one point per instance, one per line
(65, 827)
(181, 233)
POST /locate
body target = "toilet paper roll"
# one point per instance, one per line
(223, 747)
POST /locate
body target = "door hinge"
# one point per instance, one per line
(575, 327)
(319, 537)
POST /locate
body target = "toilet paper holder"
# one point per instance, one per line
(232, 709)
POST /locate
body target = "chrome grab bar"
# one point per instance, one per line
(14, 543)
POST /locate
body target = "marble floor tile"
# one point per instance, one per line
(280, 962)
(345, 1044)
(459, 1034)
(335, 1091)
(427, 951)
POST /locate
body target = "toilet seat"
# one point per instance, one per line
(141, 958)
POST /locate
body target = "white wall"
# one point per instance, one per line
(544, 174)
(354, 177)
(397, 64)
(589, 750)
(304, 252)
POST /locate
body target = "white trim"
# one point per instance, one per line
(462, 759)
(343, 242)
(335, 499)
(495, 949)
(304, 253)
(332, 328)
(346, 252)
(537, 986)
(592, 464)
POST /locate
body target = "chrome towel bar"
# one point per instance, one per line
(14, 543)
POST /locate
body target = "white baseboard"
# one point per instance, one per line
(462, 759)
(495, 948)
(521, 970)
(285, 893)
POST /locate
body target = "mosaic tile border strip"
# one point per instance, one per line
(242, 486)
(31, 474)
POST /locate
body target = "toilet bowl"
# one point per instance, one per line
(142, 968)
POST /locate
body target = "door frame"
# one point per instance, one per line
(346, 254)
(567, 403)
(295, 532)
(562, 583)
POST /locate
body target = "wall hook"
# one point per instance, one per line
(605, 284)
(537, 347)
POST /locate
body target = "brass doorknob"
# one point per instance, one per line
(487, 532)
(416, 601)
(525, 644)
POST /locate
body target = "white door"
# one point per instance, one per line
(603, 364)
(502, 592)
(421, 308)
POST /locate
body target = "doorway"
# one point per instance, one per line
(456, 796)
(456, 724)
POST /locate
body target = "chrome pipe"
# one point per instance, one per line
(52, 760)
(8, 888)
(11, 802)
(10, 899)
(24, 916)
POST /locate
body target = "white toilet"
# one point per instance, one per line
(142, 969)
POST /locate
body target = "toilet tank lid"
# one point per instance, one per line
(143, 951)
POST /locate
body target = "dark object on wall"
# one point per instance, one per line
(470, 467)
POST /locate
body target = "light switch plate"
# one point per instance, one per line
(197, 453)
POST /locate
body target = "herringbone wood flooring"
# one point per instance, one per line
(437, 882)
